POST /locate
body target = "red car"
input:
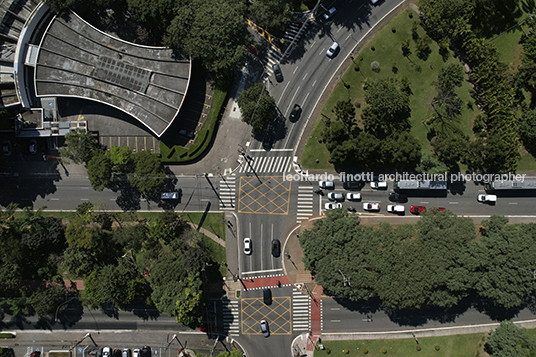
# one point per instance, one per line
(417, 209)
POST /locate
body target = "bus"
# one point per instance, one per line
(510, 185)
(420, 185)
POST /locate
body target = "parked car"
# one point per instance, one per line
(334, 205)
(417, 209)
(146, 351)
(7, 147)
(276, 248)
(378, 185)
(398, 197)
(332, 196)
(207, 328)
(332, 50)
(106, 352)
(353, 196)
(395, 209)
(267, 296)
(374, 2)
(329, 14)
(247, 246)
(371, 206)
(32, 146)
(295, 113)
(187, 133)
(116, 352)
(127, 352)
(326, 184)
(35, 354)
(170, 195)
(264, 328)
(136, 353)
(277, 72)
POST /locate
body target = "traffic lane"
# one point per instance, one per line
(348, 316)
(261, 261)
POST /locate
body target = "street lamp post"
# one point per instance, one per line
(60, 305)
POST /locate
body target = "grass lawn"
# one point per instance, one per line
(385, 48)
(457, 345)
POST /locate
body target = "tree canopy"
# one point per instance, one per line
(257, 107)
(79, 146)
(436, 262)
(508, 340)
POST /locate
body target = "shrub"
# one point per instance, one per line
(356, 67)
(328, 351)
(437, 348)
(375, 66)
(393, 30)
(418, 347)
(372, 48)
(364, 350)
(410, 15)
(384, 350)
(345, 351)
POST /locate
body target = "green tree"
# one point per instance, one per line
(115, 284)
(190, 302)
(508, 340)
(344, 110)
(155, 16)
(388, 109)
(9, 352)
(79, 146)
(272, 15)
(149, 175)
(99, 171)
(431, 165)
(423, 47)
(46, 300)
(445, 17)
(233, 353)
(121, 159)
(401, 150)
(502, 254)
(450, 149)
(527, 130)
(257, 107)
(213, 32)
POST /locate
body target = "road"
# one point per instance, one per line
(308, 70)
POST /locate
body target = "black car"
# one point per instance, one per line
(267, 296)
(295, 114)
(277, 73)
(397, 197)
(146, 351)
(276, 248)
(352, 185)
(187, 133)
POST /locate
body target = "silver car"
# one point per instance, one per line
(264, 328)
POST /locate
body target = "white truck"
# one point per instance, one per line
(395, 209)
(487, 199)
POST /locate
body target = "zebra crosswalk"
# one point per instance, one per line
(305, 203)
(228, 192)
(300, 311)
(231, 315)
(267, 164)
(292, 36)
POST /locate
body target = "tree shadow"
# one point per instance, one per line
(110, 311)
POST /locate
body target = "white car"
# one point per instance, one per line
(395, 208)
(378, 185)
(326, 184)
(371, 206)
(353, 196)
(373, 2)
(330, 205)
(329, 14)
(247, 246)
(487, 198)
(332, 196)
(332, 50)
(136, 353)
(106, 352)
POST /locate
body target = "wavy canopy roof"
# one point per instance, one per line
(77, 60)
